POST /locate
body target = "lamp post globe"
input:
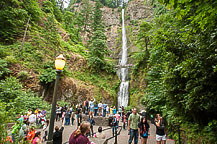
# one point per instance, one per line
(60, 62)
(59, 65)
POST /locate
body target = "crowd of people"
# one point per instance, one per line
(24, 128)
(136, 123)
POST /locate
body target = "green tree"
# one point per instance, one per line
(183, 66)
(98, 47)
(13, 17)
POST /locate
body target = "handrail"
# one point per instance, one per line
(106, 141)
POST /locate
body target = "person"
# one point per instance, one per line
(58, 134)
(100, 108)
(122, 111)
(32, 118)
(133, 121)
(107, 111)
(36, 111)
(99, 134)
(84, 107)
(67, 117)
(95, 109)
(37, 138)
(63, 115)
(124, 121)
(114, 110)
(45, 130)
(44, 112)
(87, 105)
(79, 135)
(91, 104)
(117, 115)
(160, 130)
(58, 113)
(81, 107)
(143, 130)
(104, 110)
(79, 119)
(119, 111)
(72, 117)
(114, 125)
(92, 122)
(128, 115)
(15, 129)
(29, 112)
(111, 110)
(31, 134)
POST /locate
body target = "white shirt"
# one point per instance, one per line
(100, 105)
(32, 118)
(107, 108)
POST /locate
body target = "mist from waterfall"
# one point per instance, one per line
(123, 94)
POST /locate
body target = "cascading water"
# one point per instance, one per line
(123, 94)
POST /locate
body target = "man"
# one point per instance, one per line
(58, 134)
(100, 108)
(32, 118)
(44, 112)
(133, 126)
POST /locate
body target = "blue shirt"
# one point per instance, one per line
(114, 111)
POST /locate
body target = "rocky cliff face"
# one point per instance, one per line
(137, 11)
(111, 19)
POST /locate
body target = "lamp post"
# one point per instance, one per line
(59, 65)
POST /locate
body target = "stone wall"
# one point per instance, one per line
(99, 121)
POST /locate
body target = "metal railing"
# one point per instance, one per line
(115, 135)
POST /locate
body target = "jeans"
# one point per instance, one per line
(95, 112)
(72, 120)
(134, 134)
(67, 121)
(114, 129)
(104, 112)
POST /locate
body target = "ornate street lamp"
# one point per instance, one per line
(59, 65)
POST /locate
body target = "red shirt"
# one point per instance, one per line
(31, 135)
(81, 139)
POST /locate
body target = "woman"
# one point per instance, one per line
(160, 130)
(37, 139)
(143, 130)
(79, 135)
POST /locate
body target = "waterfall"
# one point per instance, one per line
(123, 94)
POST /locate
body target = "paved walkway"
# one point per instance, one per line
(122, 138)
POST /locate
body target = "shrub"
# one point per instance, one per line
(11, 59)
(23, 75)
(3, 67)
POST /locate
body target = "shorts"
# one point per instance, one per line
(160, 137)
